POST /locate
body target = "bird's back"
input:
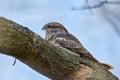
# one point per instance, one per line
(69, 42)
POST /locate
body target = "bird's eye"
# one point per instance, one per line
(48, 25)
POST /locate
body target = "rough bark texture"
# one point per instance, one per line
(50, 60)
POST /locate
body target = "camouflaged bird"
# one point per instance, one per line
(56, 33)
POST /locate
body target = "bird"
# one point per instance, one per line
(56, 33)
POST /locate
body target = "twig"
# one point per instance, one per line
(14, 62)
(96, 5)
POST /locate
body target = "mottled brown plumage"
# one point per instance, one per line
(56, 33)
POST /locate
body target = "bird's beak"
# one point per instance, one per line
(43, 28)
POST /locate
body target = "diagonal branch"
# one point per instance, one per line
(50, 60)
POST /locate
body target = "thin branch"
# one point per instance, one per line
(96, 5)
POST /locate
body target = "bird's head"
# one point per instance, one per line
(54, 27)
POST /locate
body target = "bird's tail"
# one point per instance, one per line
(107, 66)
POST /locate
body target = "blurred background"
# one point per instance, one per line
(98, 29)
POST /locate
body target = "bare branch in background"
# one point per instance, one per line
(100, 4)
(108, 16)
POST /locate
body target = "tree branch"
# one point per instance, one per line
(50, 60)
(101, 3)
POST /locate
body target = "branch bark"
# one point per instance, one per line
(50, 60)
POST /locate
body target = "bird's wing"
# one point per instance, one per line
(69, 42)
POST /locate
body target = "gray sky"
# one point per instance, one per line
(90, 27)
